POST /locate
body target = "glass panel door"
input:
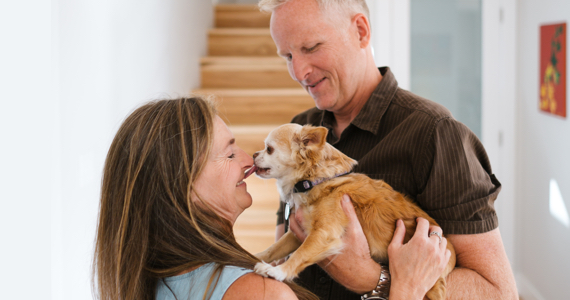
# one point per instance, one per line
(446, 56)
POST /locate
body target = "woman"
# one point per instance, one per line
(172, 190)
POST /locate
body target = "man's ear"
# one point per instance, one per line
(363, 27)
(313, 136)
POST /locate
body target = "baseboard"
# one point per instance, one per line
(527, 291)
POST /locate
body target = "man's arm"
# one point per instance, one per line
(420, 262)
(483, 270)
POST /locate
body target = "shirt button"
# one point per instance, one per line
(322, 280)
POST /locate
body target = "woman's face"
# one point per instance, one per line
(221, 181)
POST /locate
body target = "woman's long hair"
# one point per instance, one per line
(149, 228)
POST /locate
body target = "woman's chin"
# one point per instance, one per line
(246, 202)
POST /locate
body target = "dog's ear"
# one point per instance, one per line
(313, 136)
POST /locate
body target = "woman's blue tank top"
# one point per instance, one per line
(192, 285)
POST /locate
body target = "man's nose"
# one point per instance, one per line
(300, 68)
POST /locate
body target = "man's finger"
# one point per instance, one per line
(296, 228)
(348, 208)
(439, 234)
(422, 227)
(399, 233)
(443, 244)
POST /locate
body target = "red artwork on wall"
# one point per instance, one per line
(553, 69)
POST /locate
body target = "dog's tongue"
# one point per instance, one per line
(250, 171)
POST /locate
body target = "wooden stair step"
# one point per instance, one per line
(257, 216)
(232, 15)
(242, 60)
(246, 76)
(255, 227)
(241, 42)
(260, 106)
(251, 138)
(254, 241)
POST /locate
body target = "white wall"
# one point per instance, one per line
(58, 120)
(499, 109)
(542, 154)
(113, 55)
(27, 166)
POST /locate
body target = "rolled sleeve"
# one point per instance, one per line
(460, 189)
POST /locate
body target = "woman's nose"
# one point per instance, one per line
(247, 160)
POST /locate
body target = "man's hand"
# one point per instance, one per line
(416, 265)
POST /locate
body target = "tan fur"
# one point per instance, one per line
(301, 153)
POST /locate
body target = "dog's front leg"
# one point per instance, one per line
(318, 245)
(280, 249)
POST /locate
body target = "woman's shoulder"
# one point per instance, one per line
(194, 283)
(254, 286)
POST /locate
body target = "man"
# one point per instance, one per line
(411, 143)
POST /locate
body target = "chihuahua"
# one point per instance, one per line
(313, 176)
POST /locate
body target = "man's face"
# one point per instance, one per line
(323, 55)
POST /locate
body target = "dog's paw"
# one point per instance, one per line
(267, 270)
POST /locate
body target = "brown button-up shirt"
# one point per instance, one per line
(417, 147)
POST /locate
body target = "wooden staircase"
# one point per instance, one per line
(255, 94)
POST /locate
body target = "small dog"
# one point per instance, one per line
(313, 176)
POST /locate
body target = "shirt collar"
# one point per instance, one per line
(371, 113)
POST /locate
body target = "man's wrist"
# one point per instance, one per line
(382, 290)
(357, 277)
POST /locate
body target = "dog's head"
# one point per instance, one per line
(294, 152)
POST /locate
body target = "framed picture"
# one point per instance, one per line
(553, 69)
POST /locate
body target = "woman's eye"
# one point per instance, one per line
(232, 156)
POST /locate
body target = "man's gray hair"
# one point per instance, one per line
(350, 7)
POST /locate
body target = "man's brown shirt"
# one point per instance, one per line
(417, 147)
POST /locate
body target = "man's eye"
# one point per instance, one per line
(232, 156)
(269, 149)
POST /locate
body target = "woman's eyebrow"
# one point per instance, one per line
(231, 142)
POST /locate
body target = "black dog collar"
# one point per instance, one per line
(306, 185)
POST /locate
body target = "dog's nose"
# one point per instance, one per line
(255, 155)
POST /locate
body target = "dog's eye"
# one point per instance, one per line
(269, 150)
